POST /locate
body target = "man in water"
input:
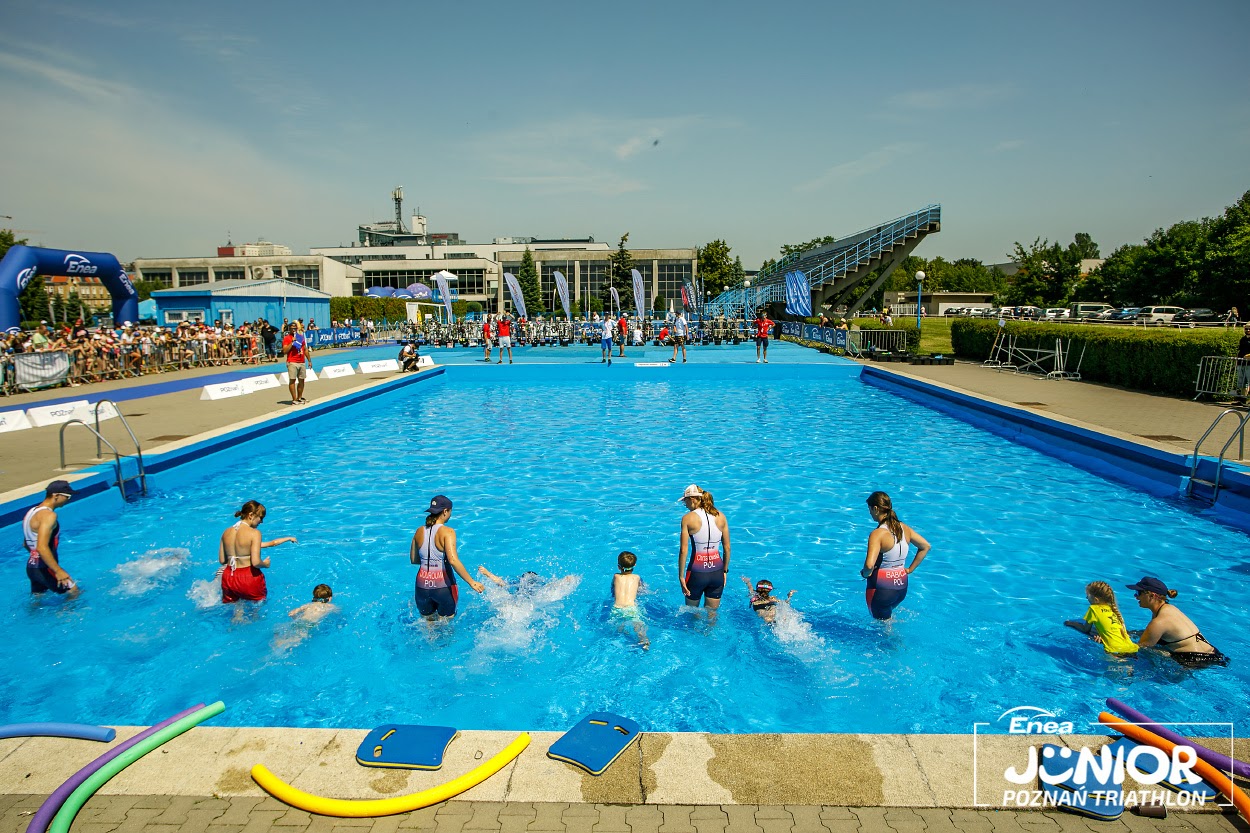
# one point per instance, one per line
(41, 532)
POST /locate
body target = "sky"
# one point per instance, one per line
(151, 129)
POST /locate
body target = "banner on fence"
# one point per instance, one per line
(327, 337)
(798, 294)
(810, 332)
(640, 293)
(562, 286)
(40, 370)
(444, 291)
(514, 289)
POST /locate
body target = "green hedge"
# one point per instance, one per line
(1159, 359)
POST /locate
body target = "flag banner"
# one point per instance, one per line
(563, 286)
(798, 295)
(616, 297)
(514, 289)
(685, 296)
(440, 278)
(640, 294)
(694, 295)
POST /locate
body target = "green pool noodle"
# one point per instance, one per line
(65, 817)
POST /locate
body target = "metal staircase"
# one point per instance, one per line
(1209, 490)
(836, 269)
(140, 476)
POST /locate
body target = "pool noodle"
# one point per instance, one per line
(43, 816)
(58, 730)
(369, 808)
(1212, 757)
(1204, 769)
(65, 816)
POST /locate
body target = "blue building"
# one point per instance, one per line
(239, 301)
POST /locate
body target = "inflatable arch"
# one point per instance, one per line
(24, 262)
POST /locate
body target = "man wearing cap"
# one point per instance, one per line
(41, 532)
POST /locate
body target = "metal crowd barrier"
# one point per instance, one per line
(1222, 376)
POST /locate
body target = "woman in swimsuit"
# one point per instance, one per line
(887, 553)
(239, 553)
(1170, 630)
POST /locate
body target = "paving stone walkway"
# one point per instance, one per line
(162, 814)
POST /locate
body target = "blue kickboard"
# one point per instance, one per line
(595, 742)
(1151, 765)
(1094, 799)
(405, 747)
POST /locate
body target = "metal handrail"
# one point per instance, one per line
(1238, 434)
(143, 475)
(117, 456)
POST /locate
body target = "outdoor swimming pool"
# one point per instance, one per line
(557, 471)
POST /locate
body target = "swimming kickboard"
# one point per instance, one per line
(406, 747)
(1095, 799)
(595, 742)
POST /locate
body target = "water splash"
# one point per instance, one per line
(153, 568)
(205, 593)
(521, 611)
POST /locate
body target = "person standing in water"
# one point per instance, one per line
(41, 533)
(887, 554)
(704, 531)
(434, 549)
(239, 553)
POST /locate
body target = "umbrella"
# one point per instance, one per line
(420, 290)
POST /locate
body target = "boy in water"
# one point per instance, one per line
(306, 616)
(625, 586)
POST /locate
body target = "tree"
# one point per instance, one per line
(531, 291)
(620, 271)
(8, 240)
(1046, 275)
(659, 302)
(1083, 247)
(715, 268)
(146, 288)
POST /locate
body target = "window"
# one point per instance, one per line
(309, 276)
(177, 316)
(189, 277)
(672, 274)
(229, 274)
(164, 276)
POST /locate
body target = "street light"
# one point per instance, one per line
(919, 289)
(746, 291)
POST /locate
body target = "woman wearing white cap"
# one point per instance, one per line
(704, 531)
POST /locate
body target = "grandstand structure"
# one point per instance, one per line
(834, 271)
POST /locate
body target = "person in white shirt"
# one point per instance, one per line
(680, 330)
(605, 339)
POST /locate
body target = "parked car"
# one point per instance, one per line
(1157, 315)
(1058, 312)
(1088, 309)
(954, 311)
(1109, 314)
(1197, 315)
(1126, 314)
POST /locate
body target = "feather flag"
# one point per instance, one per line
(640, 294)
(563, 286)
(514, 289)
(440, 278)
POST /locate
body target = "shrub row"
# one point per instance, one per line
(1162, 360)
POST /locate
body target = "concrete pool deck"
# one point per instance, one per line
(668, 783)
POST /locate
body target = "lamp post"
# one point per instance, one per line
(919, 289)
(746, 292)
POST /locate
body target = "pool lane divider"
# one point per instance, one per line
(1215, 759)
(1204, 770)
(371, 808)
(78, 731)
(65, 816)
(47, 810)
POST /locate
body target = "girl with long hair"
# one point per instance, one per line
(884, 563)
(1103, 621)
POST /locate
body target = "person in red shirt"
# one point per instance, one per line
(486, 337)
(298, 361)
(504, 329)
(622, 332)
(762, 325)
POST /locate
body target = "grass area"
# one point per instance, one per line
(935, 336)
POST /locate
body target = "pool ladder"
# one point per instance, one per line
(1209, 490)
(100, 441)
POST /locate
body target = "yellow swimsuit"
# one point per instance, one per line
(1115, 639)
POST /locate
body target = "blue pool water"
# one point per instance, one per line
(557, 472)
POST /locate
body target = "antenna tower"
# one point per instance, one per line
(398, 196)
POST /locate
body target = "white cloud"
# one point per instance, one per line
(960, 97)
(870, 162)
(1008, 144)
(87, 86)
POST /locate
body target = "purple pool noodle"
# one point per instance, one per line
(1215, 759)
(58, 730)
(47, 810)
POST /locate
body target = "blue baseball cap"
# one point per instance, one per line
(438, 505)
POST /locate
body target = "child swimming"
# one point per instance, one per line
(1103, 620)
(306, 616)
(625, 586)
(762, 601)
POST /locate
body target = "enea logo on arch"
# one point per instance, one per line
(79, 265)
(23, 278)
(1030, 720)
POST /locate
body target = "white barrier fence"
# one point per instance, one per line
(1222, 376)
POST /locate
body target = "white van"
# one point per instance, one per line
(1089, 310)
(1157, 315)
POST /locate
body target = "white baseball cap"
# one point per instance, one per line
(692, 491)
